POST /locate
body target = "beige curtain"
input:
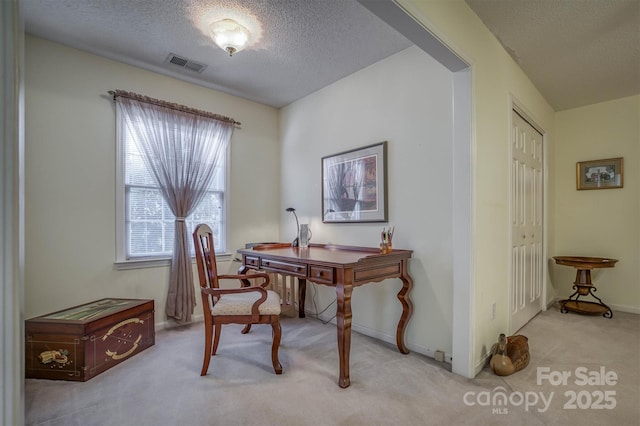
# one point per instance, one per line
(181, 149)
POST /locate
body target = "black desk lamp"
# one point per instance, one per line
(295, 242)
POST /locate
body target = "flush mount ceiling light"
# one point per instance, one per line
(229, 35)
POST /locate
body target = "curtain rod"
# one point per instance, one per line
(171, 105)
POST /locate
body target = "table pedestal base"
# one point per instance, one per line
(585, 307)
(588, 308)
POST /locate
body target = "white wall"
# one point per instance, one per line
(496, 82)
(70, 176)
(600, 223)
(406, 100)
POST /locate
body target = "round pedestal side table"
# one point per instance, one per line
(583, 285)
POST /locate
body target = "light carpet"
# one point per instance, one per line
(162, 385)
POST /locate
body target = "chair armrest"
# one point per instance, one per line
(244, 278)
(255, 313)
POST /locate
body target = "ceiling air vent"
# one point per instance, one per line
(185, 63)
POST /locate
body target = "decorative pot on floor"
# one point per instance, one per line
(511, 354)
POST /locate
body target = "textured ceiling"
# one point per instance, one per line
(299, 46)
(576, 52)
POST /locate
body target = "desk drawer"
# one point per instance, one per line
(252, 261)
(323, 275)
(287, 268)
(376, 273)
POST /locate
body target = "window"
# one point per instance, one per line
(145, 222)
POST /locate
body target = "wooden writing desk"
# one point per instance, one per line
(341, 267)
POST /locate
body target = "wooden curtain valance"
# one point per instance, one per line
(171, 105)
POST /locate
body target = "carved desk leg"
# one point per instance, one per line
(343, 319)
(407, 307)
(302, 294)
(245, 283)
(242, 270)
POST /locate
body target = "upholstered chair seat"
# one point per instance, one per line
(241, 303)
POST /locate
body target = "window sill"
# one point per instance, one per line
(124, 265)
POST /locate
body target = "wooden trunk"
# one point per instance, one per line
(81, 342)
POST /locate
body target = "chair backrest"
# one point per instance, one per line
(205, 256)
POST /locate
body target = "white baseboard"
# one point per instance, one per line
(624, 308)
(166, 324)
(431, 353)
(482, 363)
(355, 327)
(614, 308)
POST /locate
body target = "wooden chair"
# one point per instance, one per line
(245, 305)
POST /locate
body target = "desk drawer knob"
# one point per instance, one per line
(318, 274)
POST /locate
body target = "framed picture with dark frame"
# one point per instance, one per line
(354, 185)
(599, 174)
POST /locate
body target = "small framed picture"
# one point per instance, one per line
(599, 174)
